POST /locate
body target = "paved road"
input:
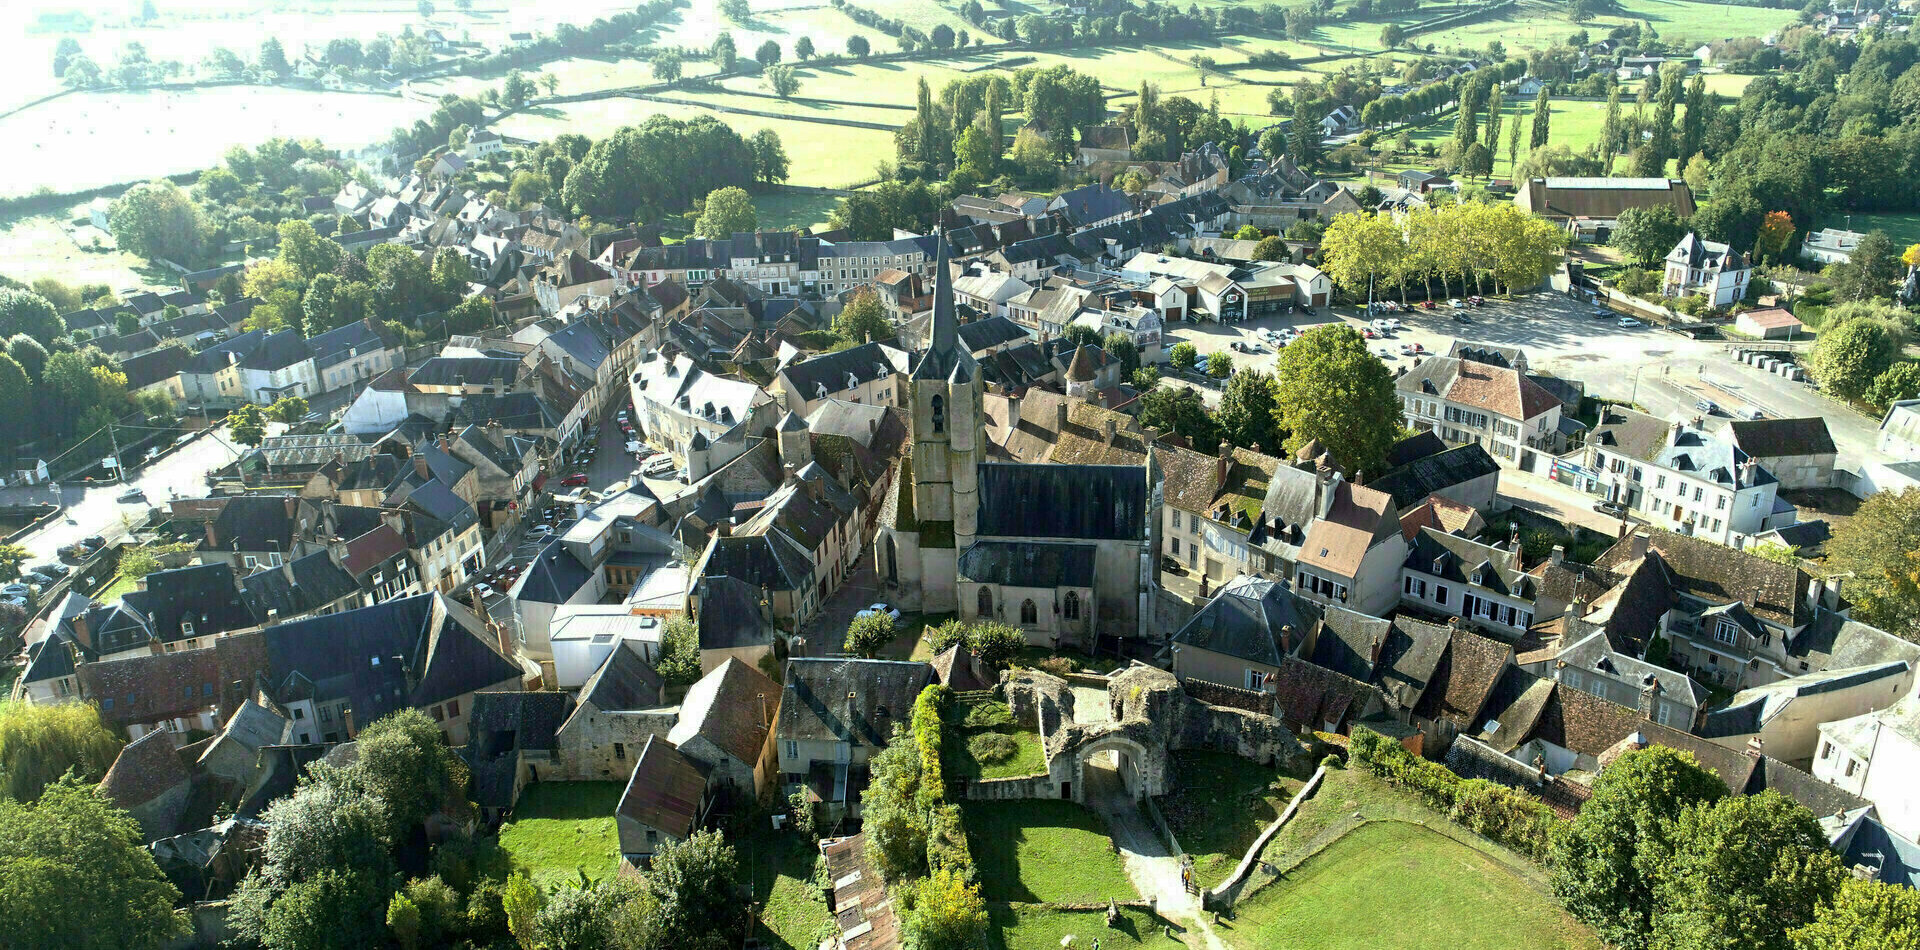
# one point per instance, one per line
(97, 510)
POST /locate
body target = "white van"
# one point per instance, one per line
(1750, 414)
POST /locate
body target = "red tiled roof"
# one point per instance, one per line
(371, 549)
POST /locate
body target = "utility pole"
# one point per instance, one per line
(118, 471)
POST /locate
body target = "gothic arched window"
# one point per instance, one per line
(939, 414)
(1029, 614)
(985, 604)
(1073, 605)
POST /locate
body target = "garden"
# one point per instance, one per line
(780, 868)
(984, 741)
(561, 830)
(1043, 851)
(1026, 927)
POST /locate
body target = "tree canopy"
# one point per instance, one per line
(75, 873)
(1332, 390)
(41, 742)
(727, 211)
(1880, 548)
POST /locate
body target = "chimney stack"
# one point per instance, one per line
(1637, 545)
(1060, 416)
(1112, 430)
(82, 631)
(420, 465)
(1559, 553)
(1755, 747)
(1373, 653)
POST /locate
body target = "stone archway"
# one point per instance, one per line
(1108, 768)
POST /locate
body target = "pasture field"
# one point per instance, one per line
(1538, 24)
(1576, 124)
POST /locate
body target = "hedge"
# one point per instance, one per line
(946, 837)
(1508, 816)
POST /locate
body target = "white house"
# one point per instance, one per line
(1496, 407)
(1708, 268)
(484, 144)
(1680, 478)
(1831, 245)
(1877, 757)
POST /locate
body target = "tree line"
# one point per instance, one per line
(1462, 243)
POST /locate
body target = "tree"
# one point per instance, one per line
(1033, 153)
(1849, 357)
(405, 763)
(803, 49)
(976, 154)
(1869, 271)
(863, 320)
(942, 36)
(1776, 233)
(23, 311)
(857, 46)
(1121, 347)
(16, 390)
(866, 635)
(517, 89)
(1178, 409)
(1542, 118)
(1605, 867)
(41, 742)
(273, 58)
(1248, 232)
(1392, 35)
(1877, 548)
(942, 912)
(1332, 390)
(470, 315)
(1303, 143)
(695, 884)
(288, 409)
(1477, 160)
(1864, 915)
(893, 818)
(157, 219)
(1183, 356)
(767, 54)
(1271, 248)
(666, 66)
(29, 353)
(306, 251)
(680, 652)
(1220, 365)
(781, 81)
(1900, 381)
(770, 162)
(1647, 235)
(728, 210)
(522, 902)
(249, 424)
(1513, 149)
(1746, 869)
(723, 53)
(1247, 411)
(69, 842)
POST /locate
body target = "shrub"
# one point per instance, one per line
(992, 748)
(1510, 817)
(989, 716)
(1331, 762)
(1056, 666)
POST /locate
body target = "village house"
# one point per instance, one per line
(1707, 268)
(835, 716)
(1681, 478)
(1498, 408)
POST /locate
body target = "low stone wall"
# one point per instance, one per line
(1093, 680)
(1038, 785)
(1215, 694)
(1223, 895)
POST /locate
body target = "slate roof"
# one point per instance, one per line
(1413, 482)
(1774, 438)
(1831, 641)
(144, 769)
(665, 790)
(207, 595)
(277, 351)
(849, 700)
(254, 523)
(771, 561)
(1454, 558)
(727, 708)
(1751, 709)
(1416, 446)
(991, 331)
(298, 587)
(161, 364)
(1630, 432)
(730, 615)
(1079, 502)
(414, 651)
(466, 371)
(1466, 676)
(552, 577)
(1246, 618)
(344, 343)
(624, 681)
(1719, 574)
(1028, 564)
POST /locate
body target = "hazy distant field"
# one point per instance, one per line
(1539, 24)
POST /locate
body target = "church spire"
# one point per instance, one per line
(943, 347)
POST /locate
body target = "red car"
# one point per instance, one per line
(1426, 305)
(576, 480)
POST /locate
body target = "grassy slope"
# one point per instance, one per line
(1037, 928)
(780, 868)
(1043, 851)
(1433, 885)
(1220, 803)
(559, 828)
(1028, 760)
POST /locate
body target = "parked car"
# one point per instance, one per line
(1707, 406)
(1427, 305)
(132, 495)
(576, 480)
(1750, 414)
(483, 590)
(1628, 323)
(1601, 313)
(1611, 509)
(94, 541)
(36, 579)
(878, 609)
(1171, 566)
(1462, 318)
(1476, 300)
(660, 467)
(15, 599)
(53, 570)
(1385, 353)
(16, 590)
(1457, 304)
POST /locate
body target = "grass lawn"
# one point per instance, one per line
(1043, 851)
(36, 246)
(1028, 758)
(1538, 24)
(1038, 928)
(1219, 804)
(792, 209)
(1434, 886)
(1903, 229)
(780, 868)
(560, 828)
(118, 589)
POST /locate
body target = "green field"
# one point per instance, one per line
(785, 22)
(1538, 24)
(562, 828)
(784, 210)
(1903, 229)
(780, 867)
(1024, 927)
(1576, 124)
(1043, 851)
(1029, 760)
(1219, 804)
(36, 246)
(821, 154)
(1420, 885)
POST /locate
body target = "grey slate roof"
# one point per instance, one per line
(833, 372)
(1028, 564)
(467, 371)
(769, 561)
(1773, 438)
(1078, 502)
(414, 651)
(1411, 483)
(730, 615)
(552, 577)
(1245, 619)
(847, 700)
(298, 587)
(624, 681)
(206, 595)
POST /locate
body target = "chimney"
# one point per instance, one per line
(1513, 542)
(723, 528)
(816, 488)
(1637, 545)
(1815, 588)
(346, 716)
(1254, 448)
(420, 465)
(1060, 416)
(1540, 768)
(82, 632)
(1755, 747)
(1559, 554)
(1112, 430)
(1373, 652)
(1673, 432)
(1286, 639)
(1832, 599)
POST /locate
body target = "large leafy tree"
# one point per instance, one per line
(40, 742)
(695, 887)
(1745, 870)
(1179, 410)
(866, 635)
(728, 210)
(1648, 234)
(74, 873)
(1848, 357)
(1864, 915)
(895, 823)
(1331, 389)
(942, 912)
(405, 763)
(1607, 864)
(157, 219)
(23, 311)
(1247, 411)
(1880, 548)
(863, 320)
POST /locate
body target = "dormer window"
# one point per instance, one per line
(1439, 565)
(186, 628)
(1727, 632)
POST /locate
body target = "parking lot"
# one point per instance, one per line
(1665, 373)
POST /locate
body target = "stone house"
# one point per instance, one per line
(726, 722)
(869, 374)
(1799, 453)
(1787, 715)
(1877, 757)
(1350, 552)
(1482, 584)
(666, 800)
(617, 712)
(1498, 408)
(835, 715)
(1707, 268)
(1244, 634)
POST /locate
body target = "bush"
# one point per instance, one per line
(991, 748)
(1056, 666)
(989, 716)
(1511, 817)
(1331, 762)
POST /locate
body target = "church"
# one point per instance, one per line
(1059, 551)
